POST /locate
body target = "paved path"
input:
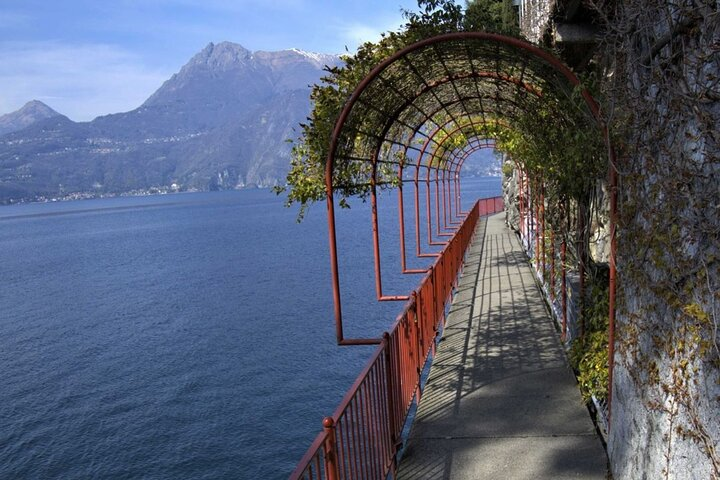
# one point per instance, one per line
(501, 401)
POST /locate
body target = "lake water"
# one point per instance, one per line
(181, 336)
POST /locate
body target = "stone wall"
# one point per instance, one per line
(510, 194)
(535, 18)
(665, 58)
(662, 102)
(599, 228)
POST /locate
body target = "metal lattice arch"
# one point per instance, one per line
(415, 118)
(422, 111)
(481, 77)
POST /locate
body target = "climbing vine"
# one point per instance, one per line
(589, 352)
(305, 180)
(662, 91)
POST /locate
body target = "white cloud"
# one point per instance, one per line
(354, 34)
(357, 34)
(80, 81)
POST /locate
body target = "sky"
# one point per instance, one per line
(86, 58)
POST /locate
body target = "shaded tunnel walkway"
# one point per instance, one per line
(501, 401)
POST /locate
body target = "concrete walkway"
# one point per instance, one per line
(501, 401)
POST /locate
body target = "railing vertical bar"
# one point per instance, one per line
(372, 425)
(552, 265)
(376, 436)
(352, 452)
(369, 453)
(362, 421)
(310, 469)
(385, 387)
(359, 442)
(342, 446)
(381, 420)
(387, 423)
(397, 383)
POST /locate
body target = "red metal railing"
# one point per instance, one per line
(361, 439)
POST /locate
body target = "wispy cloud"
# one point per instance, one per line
(355, 33)
(80, 81)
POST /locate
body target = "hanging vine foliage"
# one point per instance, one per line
(662, 95)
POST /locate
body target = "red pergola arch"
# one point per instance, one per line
(444, 85)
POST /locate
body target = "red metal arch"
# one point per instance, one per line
(521, 47)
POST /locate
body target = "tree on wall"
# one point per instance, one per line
(497, 16)
(305, 180)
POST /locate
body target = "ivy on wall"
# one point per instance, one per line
(662, 92)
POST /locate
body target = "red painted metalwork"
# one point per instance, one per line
(431, 138)
(360, 440)
(437, 206)
(401, 223)
(428, 202)
(531, 52)
(439, 145)
(376, 246)
(330, 447)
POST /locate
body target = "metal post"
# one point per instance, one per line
(375, 230)
(332, 241)
(437, 200)
(330, 449)
(521, 199)
(390, 402)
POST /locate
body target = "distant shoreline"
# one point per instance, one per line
(152, 191)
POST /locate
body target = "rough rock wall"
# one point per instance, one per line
(535, 18)
(511, 194)
(664, 97)
(599, 227)
(662, 100)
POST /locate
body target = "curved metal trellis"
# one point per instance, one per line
(409, 106)
(415, 119)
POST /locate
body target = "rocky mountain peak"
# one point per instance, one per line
(220, 122)
(38, 108)
(221, 56)
(30, 113)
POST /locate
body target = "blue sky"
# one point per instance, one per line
(86, 58)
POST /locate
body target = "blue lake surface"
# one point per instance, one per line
(182, 336)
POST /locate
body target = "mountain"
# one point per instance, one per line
(30, 113)
(221, 122)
